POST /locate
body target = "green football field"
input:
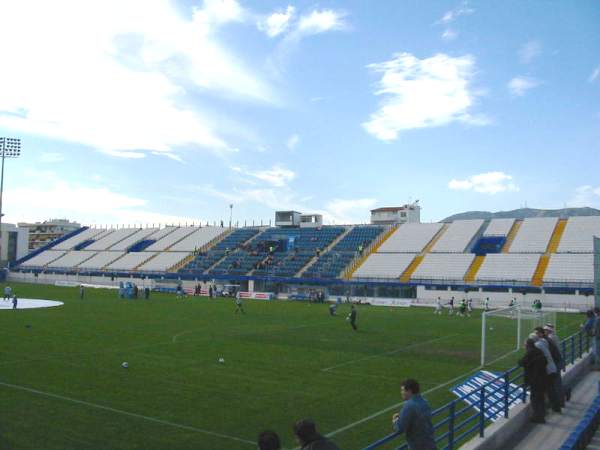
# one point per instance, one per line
(62, 385)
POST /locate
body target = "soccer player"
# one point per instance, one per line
(7, 293)
(513, 302)
(438, 306)
(14, 301)
(486, 304)
(463, 308)
(81, 291)
(352, 317)
(469, 307)
(238, 303)
(451, 306)
(332, 309)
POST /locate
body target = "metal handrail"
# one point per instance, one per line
(572, 347)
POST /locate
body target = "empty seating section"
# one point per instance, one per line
(499, 227)
(332, 263)
(44, 258)
(384, 265)
(163, 261)
(100, 260)
(161, 233)
(443, 266)
(71, 259)
(578, 236)
(130, 261)
(457, 236)
(90, 233)
(410, 238)
(138, 236)
(508, 267)
(574, 268)
(111, 239)
(171, 238)
(197, 239)
(534, 235)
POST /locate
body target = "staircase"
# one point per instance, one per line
(511, 235)
(368, 251)
(538, 276)
(314, 259)
(145, 261)
(111, 261)
(559, 229)
(405, 277)
(435, 238)
(474, 268)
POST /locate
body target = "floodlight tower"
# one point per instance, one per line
(230, 213)
(9, 148)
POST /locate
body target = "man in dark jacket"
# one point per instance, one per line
(309, 439)
(415, 418)
(534, 363)
(352, 317)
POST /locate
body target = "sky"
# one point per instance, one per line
(154, 111)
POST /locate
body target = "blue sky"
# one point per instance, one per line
(155, 111)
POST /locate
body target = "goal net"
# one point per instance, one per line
(503, 331)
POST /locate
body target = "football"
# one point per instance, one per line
(125, 365)
(221, 360)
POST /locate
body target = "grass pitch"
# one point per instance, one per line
(62, 385)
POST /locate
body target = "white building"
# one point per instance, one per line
(42, 233)
(13, 243)
(396, 214)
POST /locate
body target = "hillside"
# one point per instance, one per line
(524, 213)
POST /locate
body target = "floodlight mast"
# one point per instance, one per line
(9, 148)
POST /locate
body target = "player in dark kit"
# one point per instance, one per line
(352, 317)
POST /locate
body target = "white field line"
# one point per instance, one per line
(395, 406)
(399, 350)
(127, 413)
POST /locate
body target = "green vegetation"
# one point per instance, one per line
(283, 361)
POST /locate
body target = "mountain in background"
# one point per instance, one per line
(524, 213)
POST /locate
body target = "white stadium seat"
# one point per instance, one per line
(163, 261)
(443, 266)
(43, 258)
(139, 235)
(410, 238)
(570, 268)
(71, 259)
(579, 233)
(111, 239)
(508, 267)
(90, 233)
(384, 265)
(171, 238)
(130, 261)
(534, 235)
(457, 236)
(499, 227)
(198, 239)
(100, 260)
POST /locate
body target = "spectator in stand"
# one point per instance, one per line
(564, 393)
(415, 418)
(534, 364)
(268, 440)
(309, 438)
(551, 369)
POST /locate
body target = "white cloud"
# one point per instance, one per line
(594, 75)
(419, 93)
(519, 86)
(276, 176)
(118, 85)
(449, 35)
(585, 195)
(52, 157)
(529, 51)
(49, 196)
(278, 22)
(462, 10)
(292, 141)
(485, 183)
(320, 21)
(350, 211)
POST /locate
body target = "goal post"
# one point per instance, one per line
(503, 331)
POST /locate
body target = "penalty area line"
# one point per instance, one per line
(127, 413)
(398, 350)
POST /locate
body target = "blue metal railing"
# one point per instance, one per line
(585, 430)
(451, 426)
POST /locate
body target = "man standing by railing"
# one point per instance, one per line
(415, 418)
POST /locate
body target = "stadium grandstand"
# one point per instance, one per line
(497, 258)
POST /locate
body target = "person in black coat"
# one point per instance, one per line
(534, 363)
(309, 438)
